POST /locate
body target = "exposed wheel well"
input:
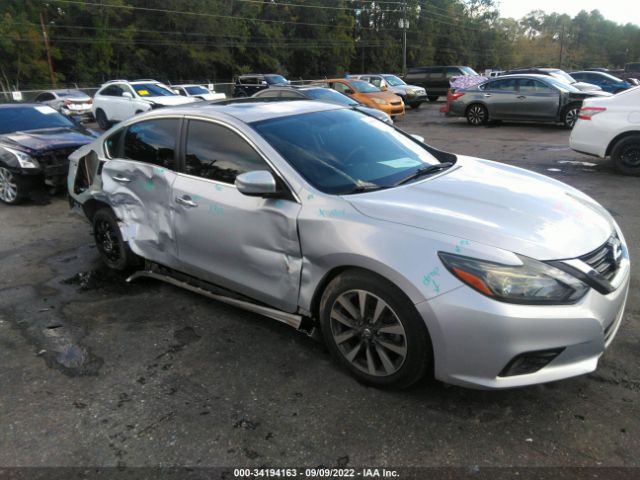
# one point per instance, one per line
(322, 285)
(617, 139)
(90, 207)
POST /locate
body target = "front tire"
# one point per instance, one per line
(9, 190)
(570, 115)
(626, 155)
(433, 98)
(114, 251)
(477, 115)
(103, 121)
(373, 330)
(415, 105)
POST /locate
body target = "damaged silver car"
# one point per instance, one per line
(405, 258)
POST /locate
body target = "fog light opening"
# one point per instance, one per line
(530, 362)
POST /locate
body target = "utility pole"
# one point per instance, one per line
(561, 45)
(46, 47)
(404, 37)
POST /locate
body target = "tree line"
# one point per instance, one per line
(91, 41)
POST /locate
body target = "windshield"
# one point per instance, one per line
(338, 151)
(21, 119)
(561, 85)
(563, 76)
(196, 90)
(363, 87)
(468, 71)
(331, 96)
(393, 80)
(276, 80)
(152, 90)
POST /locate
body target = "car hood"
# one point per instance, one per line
(35, 141)
(171, 100)
(497, 205)
(374, 112)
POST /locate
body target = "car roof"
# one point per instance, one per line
(520, 75)
(252, 110)
(8, 106)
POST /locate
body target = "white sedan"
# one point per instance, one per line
(610, 126)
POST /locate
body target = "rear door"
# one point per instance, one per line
(138, 180)
(500, 97)
(246, 244)
(537, 99)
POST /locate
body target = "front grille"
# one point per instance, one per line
(396, 103)
(606, 259)
(55, 162)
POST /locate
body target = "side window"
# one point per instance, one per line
(181, 91)
(217, 153)
(153, 141)
(112, 91)
(45, 97)
(375, 81)
(505, 85)
(453, 72)
(340, 87)
(528, 85)
(112, 144)
(436, 73)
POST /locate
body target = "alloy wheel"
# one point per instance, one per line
(630, 155)
(570, 117)
(476, 115)
(368, 333)
(107, 240)
(8, 187)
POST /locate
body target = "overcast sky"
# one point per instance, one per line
(620, 11)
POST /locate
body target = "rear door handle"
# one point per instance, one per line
(122, 179)
(186, 201)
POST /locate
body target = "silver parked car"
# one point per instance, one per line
(67, 102)
(411, 95)
(530, 97)
(407, 259)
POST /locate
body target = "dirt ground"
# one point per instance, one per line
(97, 372)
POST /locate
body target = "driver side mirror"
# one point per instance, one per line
(258, 183)
(127, 95)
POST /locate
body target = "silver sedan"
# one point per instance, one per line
(407, 260)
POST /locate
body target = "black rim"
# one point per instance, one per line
(108, 241)
(476, 115)
(630, 155)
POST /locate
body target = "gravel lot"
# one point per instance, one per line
(96, 372)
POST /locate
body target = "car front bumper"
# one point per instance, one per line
(475, 338)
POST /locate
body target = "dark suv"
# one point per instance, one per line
(247, 85)
(435, 80)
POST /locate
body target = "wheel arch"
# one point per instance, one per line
(619, 137)
(92, 205)
(477, 102)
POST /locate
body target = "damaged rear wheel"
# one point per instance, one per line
(115, 252)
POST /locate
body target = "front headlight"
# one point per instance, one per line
(24, 160)
(533, 282)
(380, 101)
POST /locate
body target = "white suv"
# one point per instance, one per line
(611, 126)
(118, 100)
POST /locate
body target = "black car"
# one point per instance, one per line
(35, 144)
(247, 85)
(323, 94)
(435, 80)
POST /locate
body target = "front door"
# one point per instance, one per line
(500, 96)
(538, 100)
(138, 182)
(246, 244)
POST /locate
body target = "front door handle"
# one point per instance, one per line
(122, 179)
(487, 95)
(522, 97)
(186, 201)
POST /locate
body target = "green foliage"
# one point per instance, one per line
(213, 40)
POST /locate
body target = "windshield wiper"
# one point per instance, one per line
(365, 187)
(421, 172)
